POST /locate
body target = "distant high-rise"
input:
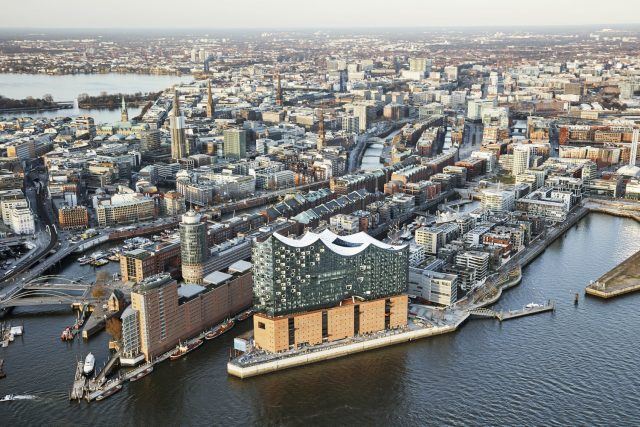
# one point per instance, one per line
(321, 132)
(178, 136)
(150, 141)
(124, 114)
(634, 148)
(235, 143)
(193, 247)
(521, 159)
(210, 106)
(279, 97)
(419, 64)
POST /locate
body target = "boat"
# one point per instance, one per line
(100, 262)
(111, 391)
(67, 335)
(142, 374)
(184, 349)
(89, 364)
(85, 260)
(98, 255)
(215, 333)
(532, 305)
(245, 315)
(114, 257)
(12, 397)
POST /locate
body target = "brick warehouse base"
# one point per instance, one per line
(351, 317)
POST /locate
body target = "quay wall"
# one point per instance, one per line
(336, 352)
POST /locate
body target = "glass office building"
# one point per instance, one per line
(321, 270)
(193, 247)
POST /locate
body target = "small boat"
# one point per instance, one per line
(142, 374)
(85, 260)
(67, 335)
(12, 397)
(100, 262)
(114, 257)
(184, 349)
(532, 305)
(215, 333)
(245, 315)
(111, 391)
(89, 364)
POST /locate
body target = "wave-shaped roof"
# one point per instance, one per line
(360, 242)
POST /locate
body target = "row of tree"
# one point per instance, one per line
(27, 103)
(113, 101)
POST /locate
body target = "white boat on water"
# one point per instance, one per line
(532, 305)
(98, 255)
(89, 364)
(12, 397)
(85, 260)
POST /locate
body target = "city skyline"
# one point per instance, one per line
(182, 210)
(334, 14)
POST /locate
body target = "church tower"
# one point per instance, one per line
(124, 114)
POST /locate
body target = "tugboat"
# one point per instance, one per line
(142, 374)
(215, 333)
(89, 364)
(184, 349)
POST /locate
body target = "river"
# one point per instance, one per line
(68, 87)
(577, 366)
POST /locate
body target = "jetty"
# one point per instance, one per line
(528, 310)
(79, 383)
(622, 279)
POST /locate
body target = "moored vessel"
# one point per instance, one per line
(216, 332)
(183, 349)
(89, 364)
(142, 374)
(109, 392)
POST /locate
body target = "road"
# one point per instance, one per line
(45, 218)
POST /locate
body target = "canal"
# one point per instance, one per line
(575, 366)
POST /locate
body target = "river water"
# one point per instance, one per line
(577, 366)
(68, 87)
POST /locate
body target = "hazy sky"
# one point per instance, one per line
(312, 13)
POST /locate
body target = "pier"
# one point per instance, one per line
(514, 314)
(79, 383)
(622, 279)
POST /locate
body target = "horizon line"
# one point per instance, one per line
(281, 29)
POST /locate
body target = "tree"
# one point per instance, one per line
(98, 291)
(114, 328)
(48, 97)
(102, 277)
